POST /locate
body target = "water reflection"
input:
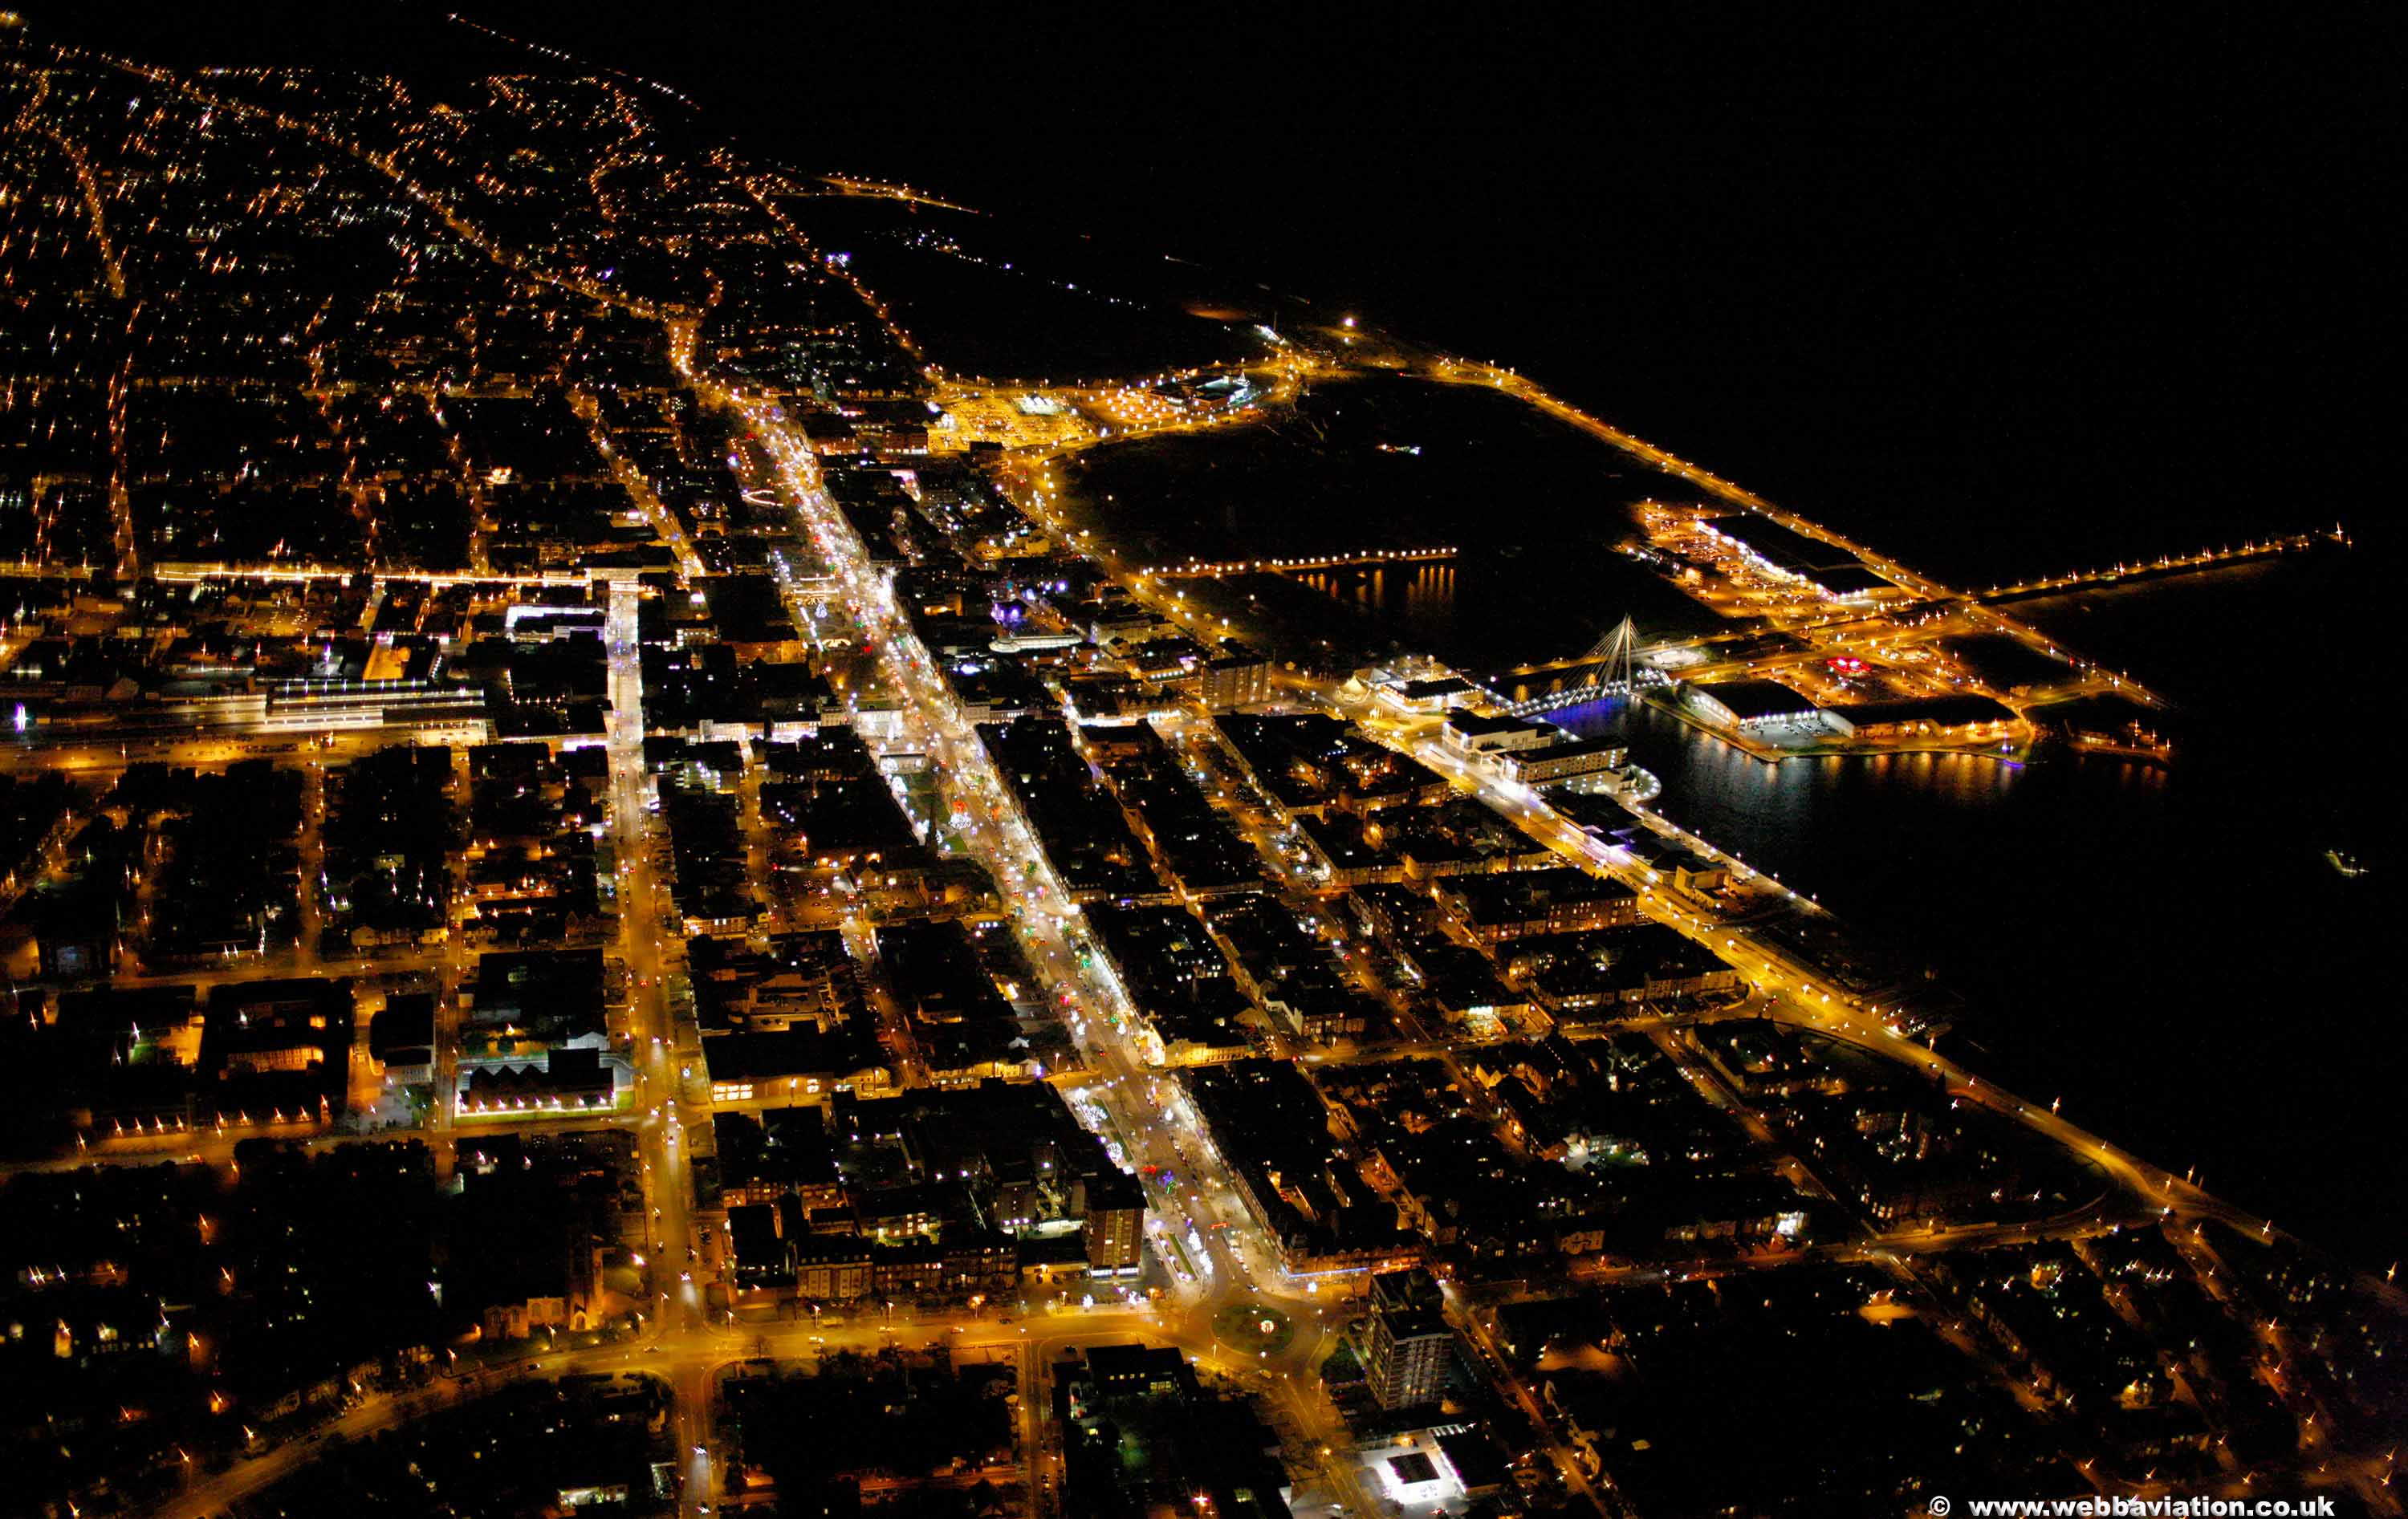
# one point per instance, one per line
(1803, 817)
(1414, 604)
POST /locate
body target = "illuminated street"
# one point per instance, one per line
(743, 773)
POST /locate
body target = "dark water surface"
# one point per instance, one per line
(2168, 950)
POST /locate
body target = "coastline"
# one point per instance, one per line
(1838, 748)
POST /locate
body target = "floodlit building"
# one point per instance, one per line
(1410, 1345)
(1785, 554)
(1237, 677)
(1436, 695)
(1115, 1223)
(1562, 761)
(1964, 716)
(1763, 707)
(1469, 733)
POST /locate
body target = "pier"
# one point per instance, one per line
(1202, 570)
(2129, 571)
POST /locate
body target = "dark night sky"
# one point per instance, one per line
(2076, 266)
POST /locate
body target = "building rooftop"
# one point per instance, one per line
(1747, 700)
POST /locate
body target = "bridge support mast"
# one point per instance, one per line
(1616, 656)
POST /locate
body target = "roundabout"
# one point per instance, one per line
(1254, 1329)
